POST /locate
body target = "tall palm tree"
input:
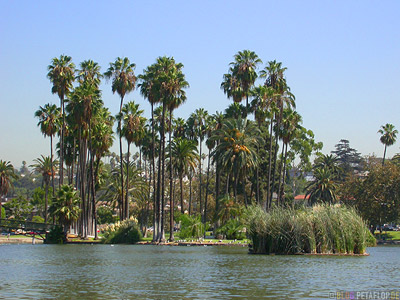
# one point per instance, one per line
(290, 124)
(388, 137)
(45, 166)
(7, 174)
(49, 123)
(89, 72)
(281, 98)
(133, 131)
(241, 77)
(146, 86)
(200, 116)
(123, 81)
(61, 75)
(184, 158)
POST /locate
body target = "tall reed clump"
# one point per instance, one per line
(125, 232)
(328, 229)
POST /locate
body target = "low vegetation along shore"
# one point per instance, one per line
(322, 229)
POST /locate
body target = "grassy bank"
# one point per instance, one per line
(321, 229)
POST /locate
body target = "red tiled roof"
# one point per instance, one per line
(301, 197)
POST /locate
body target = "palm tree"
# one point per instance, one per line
(200, 117)
(66, 206)
(7, 174)
(184, 158)
(123, 81)
(61, 75)
(89, 72)
(279, 97)
(45, 166)
(242, 75)
(236, 151)
(49, 125)
(290, 124)
(133, 131)
(323, 187)
(388, 138)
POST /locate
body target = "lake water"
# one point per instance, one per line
(155, 272)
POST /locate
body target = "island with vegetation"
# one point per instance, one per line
(246, 172)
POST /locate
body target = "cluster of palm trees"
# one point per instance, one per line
(244, 159)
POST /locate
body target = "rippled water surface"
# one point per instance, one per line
(155, 272)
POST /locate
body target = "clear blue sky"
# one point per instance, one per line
(342, 58)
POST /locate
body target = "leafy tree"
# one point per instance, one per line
(349, 159)
(375, 195)
(388, 137)
(19, 207)
(7, 175)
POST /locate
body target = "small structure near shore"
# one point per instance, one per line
(322, 229)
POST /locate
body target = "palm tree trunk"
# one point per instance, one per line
(201, 202)
(275, 158)
(207, 184)
(61, 173)
(121, 161)
(181, 187)
(45, 202)
(51, 164)
(384, 155)
(280, 174)
(190, 196)
(171, 196)
(93, 197)
(267, 205)
(284, 174)
(127, 184)
(153, 178)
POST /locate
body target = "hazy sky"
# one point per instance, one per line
(342, 58)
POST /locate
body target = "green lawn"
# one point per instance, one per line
(388, 235)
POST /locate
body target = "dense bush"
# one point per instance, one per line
(56, 236)
(37, 219)
(318, 229)
(191, 227)
(104, 215)
(232, 229)
(125, 232)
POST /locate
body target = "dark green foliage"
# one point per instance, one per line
(233, 229)
(191, 227)
(37, 219)
(328, 229)
(104, 215)
(56, 236)
(126, 232)
(18, 207)
(349, 159)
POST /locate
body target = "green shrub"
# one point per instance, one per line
(104, 215)
(56, 236)
(233, 229)
(125, 232)
(3, 213)
(191, 227)
(318, 229)
(37, 219)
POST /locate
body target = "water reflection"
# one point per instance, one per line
(153, 272)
